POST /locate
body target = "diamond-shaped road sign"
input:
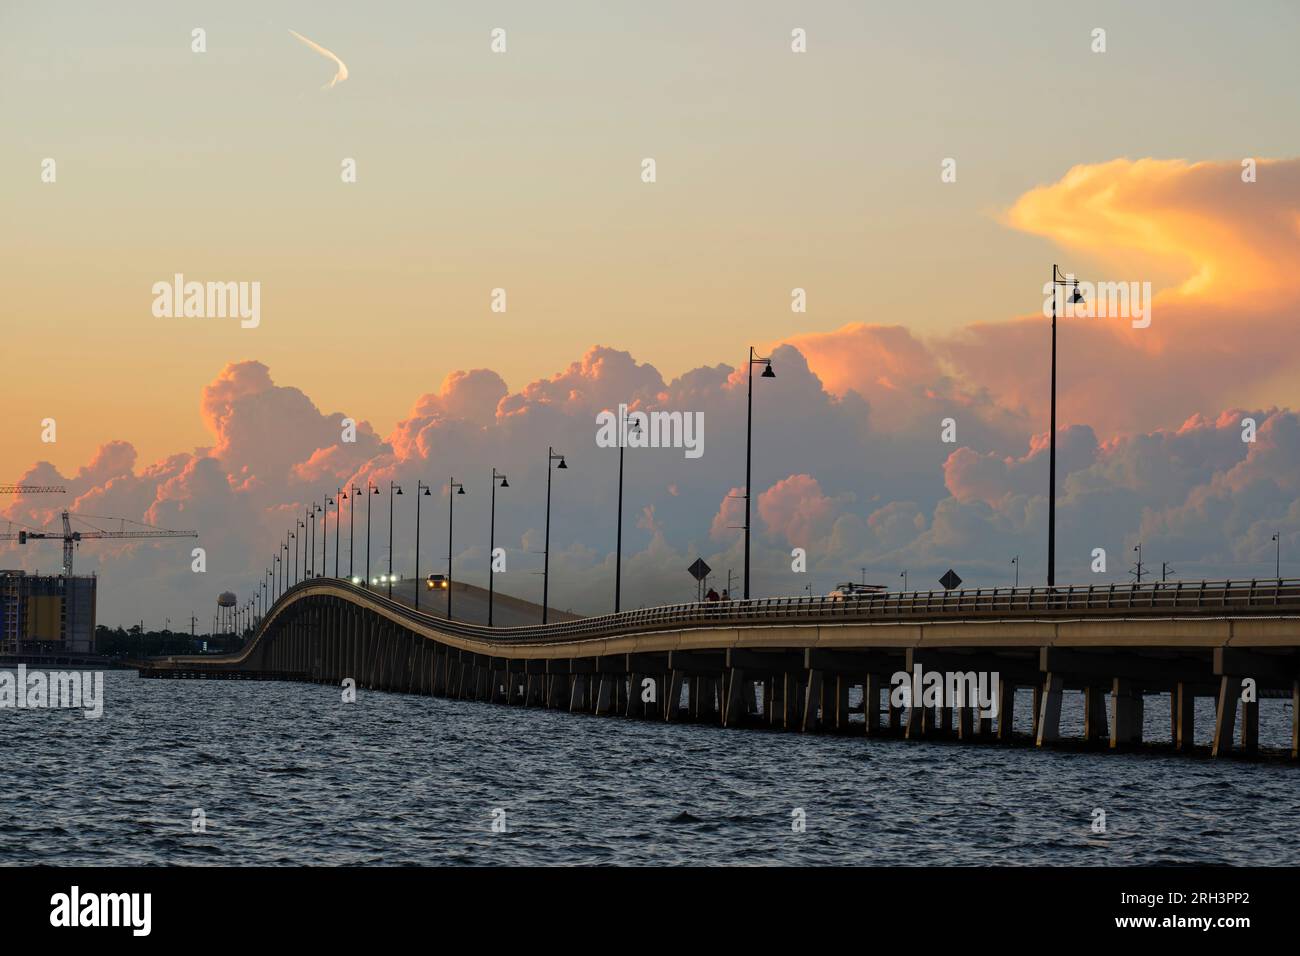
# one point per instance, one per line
(950, 580)
(699, 570)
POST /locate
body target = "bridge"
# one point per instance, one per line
(789, 663)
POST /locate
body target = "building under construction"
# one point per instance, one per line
(46, 612)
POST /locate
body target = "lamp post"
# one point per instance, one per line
(338, 520)
(1016, 563)
(421, 490)
(352, 537)
(903, 575)
(454, 488)
(372, 490)
(551, 456)
(1058, 279)
(298, 524)
(492, 539)
(618, 546)
(324, 534)
(749, 444)
(311, 516)
(391, 486)
(1277, 537)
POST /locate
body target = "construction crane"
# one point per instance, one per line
(32, 490)
(72, 538)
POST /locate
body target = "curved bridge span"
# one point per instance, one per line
(789, 663)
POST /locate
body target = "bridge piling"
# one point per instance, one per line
(1049, 721)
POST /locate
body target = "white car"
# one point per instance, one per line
(850, 591)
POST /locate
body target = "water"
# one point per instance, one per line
(287, 774)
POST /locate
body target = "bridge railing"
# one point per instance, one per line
(1199, 598)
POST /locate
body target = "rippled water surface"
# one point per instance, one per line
(287, 774)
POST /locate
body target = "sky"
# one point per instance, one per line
(775, 171)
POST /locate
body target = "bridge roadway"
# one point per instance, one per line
(788, 663)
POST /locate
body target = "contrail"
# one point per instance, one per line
(341, 75)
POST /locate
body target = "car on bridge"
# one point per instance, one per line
(848, 591)
(436, 582)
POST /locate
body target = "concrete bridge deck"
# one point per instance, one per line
(789, 662)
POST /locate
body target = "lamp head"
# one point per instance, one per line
(562, 464)
(504, 483)
(767, 371)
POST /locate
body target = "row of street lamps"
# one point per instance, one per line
(276, 578)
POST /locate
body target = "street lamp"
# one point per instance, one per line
(1277, 536)
(324, 533)
(749, 444)
(297, 524)
(492, 540)
(551, 456)
(373, 491)
(337, 502)
(618, 547)
(1058, 279)
(1016, 562)
(311, 516)
(454, 488)
(419, 487)
(352, 538)
(391, 486)
(903, 575)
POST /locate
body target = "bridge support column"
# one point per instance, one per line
(356, 666)
(1006, 709)
(797, 705)
(871, 705)
(1184, 718)
(1225, 718)
(578, 695)
(965, 722)
(1250, 726)
(635, 708)
(1128, 704)
(1094, 715)
(604, 695)
(734, 706)
(1049, 718)
(812, 702)
(1295, 720)
(674, 701)
(915, 720)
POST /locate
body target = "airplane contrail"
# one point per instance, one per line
(341, 75)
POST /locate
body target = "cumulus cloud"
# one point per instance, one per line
(847, 458)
